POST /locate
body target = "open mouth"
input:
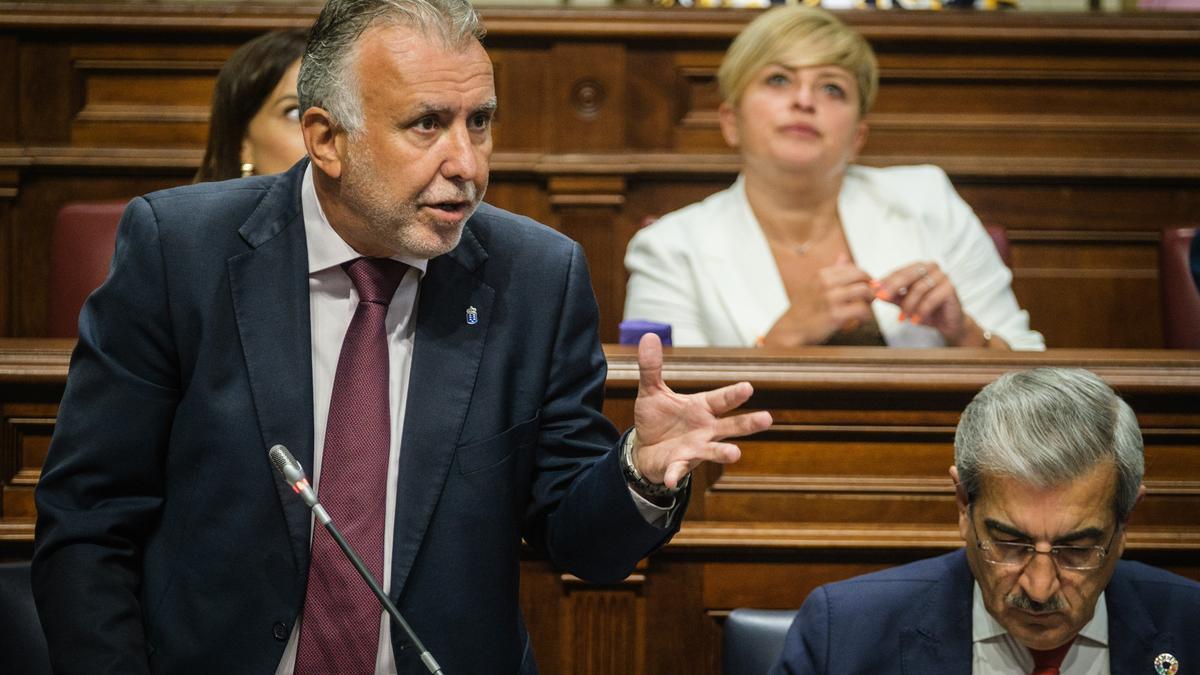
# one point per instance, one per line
(452, 210)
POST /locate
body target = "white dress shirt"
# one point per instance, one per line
(332, 301)
(995, 652)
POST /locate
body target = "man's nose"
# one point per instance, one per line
(461, 161)
(1039, 579)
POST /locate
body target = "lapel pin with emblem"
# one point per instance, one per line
(472, 316)
(1166, 664)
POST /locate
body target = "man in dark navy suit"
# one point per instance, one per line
(1048, 467)
(431, 360)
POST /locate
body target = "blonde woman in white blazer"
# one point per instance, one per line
(805, 247)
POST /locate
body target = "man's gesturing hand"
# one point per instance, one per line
(677, 432)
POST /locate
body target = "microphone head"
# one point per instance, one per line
(287, 465)
(281, 458)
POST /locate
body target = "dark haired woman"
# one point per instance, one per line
(255, 124)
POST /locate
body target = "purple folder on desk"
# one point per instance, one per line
(632, 331)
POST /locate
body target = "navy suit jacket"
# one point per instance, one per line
(916, 619)
(166, 543)
(1195, 259)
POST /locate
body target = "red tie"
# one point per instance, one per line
(1046, 662)
(340, 628)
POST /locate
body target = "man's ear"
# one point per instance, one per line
(960, 499)
(727, 116)
(1140, 497)
(324, 141)
(1120, 544)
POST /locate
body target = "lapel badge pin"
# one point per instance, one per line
(472, 316)
(1166, 664)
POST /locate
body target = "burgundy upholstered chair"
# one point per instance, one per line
(81, 247)
(1180, 298)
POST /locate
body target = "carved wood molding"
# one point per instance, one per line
(35, 360)
(649, 165)
(711, 535)
(963, 370)
(818, 368)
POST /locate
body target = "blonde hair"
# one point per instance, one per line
(813, 34)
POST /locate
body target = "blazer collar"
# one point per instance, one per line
(939, 641)
(735, 248)
(1134, 639)
(453, 314)
(269, 288)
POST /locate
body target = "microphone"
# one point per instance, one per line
(293, 474)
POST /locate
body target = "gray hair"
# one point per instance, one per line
(327, 78)
(1048, 426)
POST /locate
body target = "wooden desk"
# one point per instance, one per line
(852, 478)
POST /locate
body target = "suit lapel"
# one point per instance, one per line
(881, 239)
(939, 640)
(750, 288)
(1134, 640)
(269, 285)
(446, 354)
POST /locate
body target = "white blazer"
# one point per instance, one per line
(707, 269)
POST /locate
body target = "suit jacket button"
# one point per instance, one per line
(280, 631)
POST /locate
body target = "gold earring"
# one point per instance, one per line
(247, 169)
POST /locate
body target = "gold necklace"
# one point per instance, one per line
(803, 247)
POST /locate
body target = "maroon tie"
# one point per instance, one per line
(1047, 662)
(340, 625)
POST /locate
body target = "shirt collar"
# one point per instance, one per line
(985, 627)
(326, 248)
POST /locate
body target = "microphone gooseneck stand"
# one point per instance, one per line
(293, 474)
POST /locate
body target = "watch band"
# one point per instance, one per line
(635, 478)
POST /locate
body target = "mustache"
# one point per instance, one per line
(465, 193)
(1021, 601)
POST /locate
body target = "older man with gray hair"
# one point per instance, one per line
(1048, 468)
(432, 360)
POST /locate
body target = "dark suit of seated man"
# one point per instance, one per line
(1048, 467)
(1195, 260)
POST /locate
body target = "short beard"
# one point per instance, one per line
(395, 222)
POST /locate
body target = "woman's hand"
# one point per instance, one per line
(842, 303)
(926, 297)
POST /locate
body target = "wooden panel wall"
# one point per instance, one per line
(851, 478)
(1079, 132)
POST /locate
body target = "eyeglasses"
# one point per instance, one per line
(1018, 554)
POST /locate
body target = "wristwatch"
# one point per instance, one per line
(635, 478)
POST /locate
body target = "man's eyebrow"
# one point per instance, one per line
(1011, 531)
(425, 109)
(1094, 533)
(1085, 533)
